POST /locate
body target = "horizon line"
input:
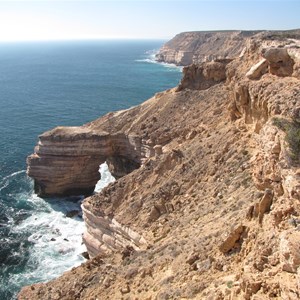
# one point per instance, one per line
(115, 38)
(66, 39)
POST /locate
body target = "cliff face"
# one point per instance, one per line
(200, 46)
(211, 208)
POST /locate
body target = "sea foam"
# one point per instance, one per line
(150, 58)
(55, 239)
(106, 177)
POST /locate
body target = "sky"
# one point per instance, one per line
(139, 19)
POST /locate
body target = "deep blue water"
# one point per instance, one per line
(43, 85)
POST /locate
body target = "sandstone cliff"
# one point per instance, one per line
(207, 201)
(200, 46)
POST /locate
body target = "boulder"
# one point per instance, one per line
(232, 241)
(280, 63)
(203, 76)
(290, 251)
(258, 70)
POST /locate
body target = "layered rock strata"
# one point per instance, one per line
(105, 234)
(66, 160)
(202, 46)
(213, 211)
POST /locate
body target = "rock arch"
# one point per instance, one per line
(66, 159)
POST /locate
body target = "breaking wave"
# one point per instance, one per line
(40, 239)
(150, 58)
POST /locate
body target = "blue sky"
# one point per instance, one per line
(40, 19)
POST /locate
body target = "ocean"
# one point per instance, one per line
(48, 84)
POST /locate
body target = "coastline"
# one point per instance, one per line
(41, 105)
(184, 158)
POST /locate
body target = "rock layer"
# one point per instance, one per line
(67, 159)
(202, 46)
(105, 235)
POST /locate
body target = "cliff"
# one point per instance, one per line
(206, 205)
(200, 46)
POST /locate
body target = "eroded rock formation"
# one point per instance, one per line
(213, 210)
(202, 46)
(196, 47)
(203, 76)
(104, 234)
(67, 159)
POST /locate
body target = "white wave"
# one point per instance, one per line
(106, 177)
(4, 185)
(147, 60)
(151, 59)
(57, 240)
(5, 180)
(13, 174)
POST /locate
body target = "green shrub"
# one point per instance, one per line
(281, 123)
(292, 137)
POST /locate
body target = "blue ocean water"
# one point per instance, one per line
(43, 85)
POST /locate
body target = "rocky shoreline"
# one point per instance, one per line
(206, 205)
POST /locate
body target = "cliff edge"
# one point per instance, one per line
(206, 205)
(200, 46)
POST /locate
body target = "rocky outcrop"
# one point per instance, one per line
(290, 251)
(258, 70)
(105, 235)
(213, 210)
(279, 61)
(67, 159)
(202, 46)
(203, 76)
(234, 240)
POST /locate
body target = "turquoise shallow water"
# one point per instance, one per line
(43, 85)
